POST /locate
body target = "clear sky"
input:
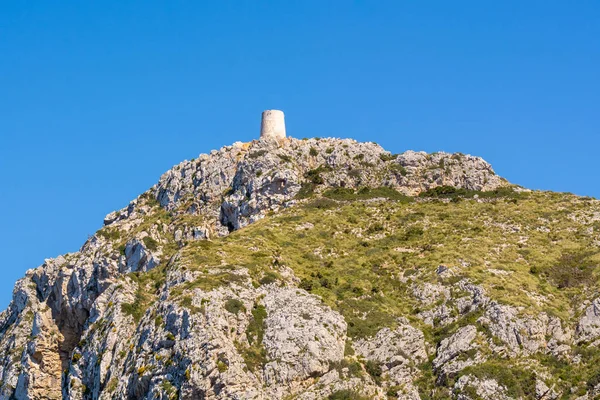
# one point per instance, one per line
(98, 98)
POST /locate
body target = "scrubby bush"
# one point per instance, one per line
(150, 243)
(314, 175)
(345, 395)
(451, 192)
(322, 204)
(572, 269)
(284, 157)
(234, 306)
(374, 369)
(388, 157)
(366, 193)
(307, 189)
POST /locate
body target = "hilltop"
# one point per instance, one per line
(318, 269)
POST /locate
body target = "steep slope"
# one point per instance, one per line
(319, 268)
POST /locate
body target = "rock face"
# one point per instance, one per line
(398, 351)
(449, 350)
(302, 337)
(149, 308)
(267, 175)
(588, 328)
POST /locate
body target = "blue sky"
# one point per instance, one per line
(97, 99)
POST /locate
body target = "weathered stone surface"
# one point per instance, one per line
(399, 351)
(138, 257)
(588, 327)
(524, 334)
(429, 293)
(392, 346)
(450, 348)
(543, 392)
(302, 336)
(486, 389)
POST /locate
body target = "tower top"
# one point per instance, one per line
(272, 125)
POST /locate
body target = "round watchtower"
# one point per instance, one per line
(272, 125)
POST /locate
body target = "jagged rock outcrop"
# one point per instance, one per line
(266, 175)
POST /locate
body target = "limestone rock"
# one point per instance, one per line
(588, 327)
(399, 351)
(523, 334)
(486, 389)
(302, 336)
(460, 343)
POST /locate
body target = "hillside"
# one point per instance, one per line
(318, 269)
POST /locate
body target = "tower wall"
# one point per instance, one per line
(272, 125)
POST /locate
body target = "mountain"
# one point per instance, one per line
(318, 269)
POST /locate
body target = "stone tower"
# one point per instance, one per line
(272, 125)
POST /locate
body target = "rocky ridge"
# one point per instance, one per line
(147, 310)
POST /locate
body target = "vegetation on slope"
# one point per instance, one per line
(362, 256)
(361, 251)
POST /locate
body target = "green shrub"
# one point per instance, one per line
(255, 330)
(374, 369)
(222, 366)
(322, 204)
(313, 152)
(234, 306)
(451, 192)
(366, 193)
(346, 395)
(443, 192)
(134, 309)
(111, 386)
(306, 284)
(150, 243)
(572, 269)
(395, 167)
(257, 154)
(314, 175)
(374, 228)
(268, 278)
(340, 193)
(413, 232)
(255, 355)
(307, 189)
(388, 157)
(109, 233)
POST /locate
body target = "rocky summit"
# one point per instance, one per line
(318, 269)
